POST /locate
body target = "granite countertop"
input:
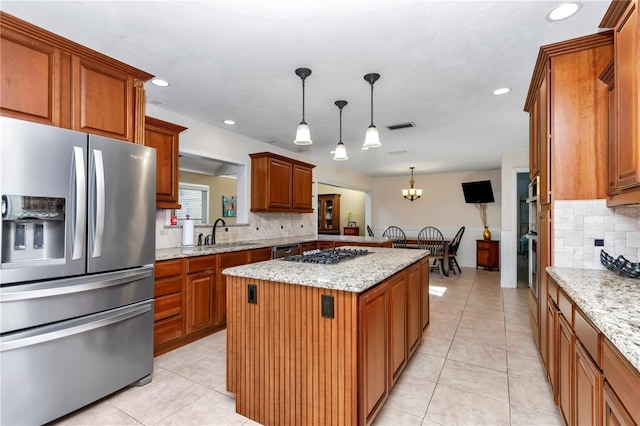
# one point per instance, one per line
(610, 301)
(353, 238)
(183, 251)
(355, 275)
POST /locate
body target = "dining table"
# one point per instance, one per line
(412, 243)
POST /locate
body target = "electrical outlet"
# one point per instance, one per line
(327, 306)
(599, 242)
(252, 294)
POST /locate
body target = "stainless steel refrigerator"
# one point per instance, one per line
(77, 244)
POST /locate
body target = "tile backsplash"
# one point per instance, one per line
(577, 224)
(261, 226)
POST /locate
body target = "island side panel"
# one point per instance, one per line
(285, 362)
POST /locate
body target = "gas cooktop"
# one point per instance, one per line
(326, 257)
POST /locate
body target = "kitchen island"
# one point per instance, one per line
(323, 344)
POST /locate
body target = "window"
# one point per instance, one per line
(195, 202)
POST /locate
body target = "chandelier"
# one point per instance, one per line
(411, 193)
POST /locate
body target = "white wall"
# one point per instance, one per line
(441, 205)
(512, 164)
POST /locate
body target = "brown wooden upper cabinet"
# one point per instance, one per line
(624, 108)
(568, 115)
(49, 79)
(280, 184)
(165, 138)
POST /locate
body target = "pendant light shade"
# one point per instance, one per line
(372, 137)
(341, 149)
(303, 134)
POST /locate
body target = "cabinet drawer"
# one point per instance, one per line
(588, 336)
(168, 268)
(201, 263)
(566, 307)
(484, 245)
(167, 330)
(168, 286)
(259, 255)
(623, 378)
(167, 306)
(236, 258)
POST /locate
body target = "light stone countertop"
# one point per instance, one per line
(183, 251)
(610, 301)
(354, 275)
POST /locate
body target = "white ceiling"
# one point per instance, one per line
(235, 59)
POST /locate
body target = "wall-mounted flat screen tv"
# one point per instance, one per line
(478, 192)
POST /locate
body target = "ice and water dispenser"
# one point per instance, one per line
(32, 228)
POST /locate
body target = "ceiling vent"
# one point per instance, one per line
(402, 152)
(401, 125)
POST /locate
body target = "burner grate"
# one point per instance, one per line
(326, 257)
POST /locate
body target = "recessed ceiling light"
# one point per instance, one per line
(564, 11)
(229, 122)
(501, 91)
(160, 82)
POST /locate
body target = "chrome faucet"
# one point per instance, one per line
(215, 225)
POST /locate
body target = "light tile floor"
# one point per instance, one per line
(477, 365)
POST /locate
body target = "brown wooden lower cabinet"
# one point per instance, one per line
(565, 369)
(200, 303)
(225, 260)
(552, 346)
(587, 388)
(488, 254)
(287, 364)
(374, 380)
(414, 296)
(308, 246)
(592, 382)
(614, 413)
(398, 325)
(169, 299)
(424, 305)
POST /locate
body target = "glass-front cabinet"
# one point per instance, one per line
(329, 214)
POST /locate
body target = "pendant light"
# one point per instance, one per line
(341, 150)
(303, 135)
(372, 138)
(412, 193)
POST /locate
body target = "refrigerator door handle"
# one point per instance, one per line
(63, 332)
(90, 284)
(81, 202)
(100, 203)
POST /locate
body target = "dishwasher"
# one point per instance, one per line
(284, 250)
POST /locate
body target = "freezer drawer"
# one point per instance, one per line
(50, 371)
(30, 305)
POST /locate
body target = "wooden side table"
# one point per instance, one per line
(352, 230)
(488, 254)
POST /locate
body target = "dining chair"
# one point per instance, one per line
(369, 231)
(398, 236)
(453, 250)
(430, 238)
